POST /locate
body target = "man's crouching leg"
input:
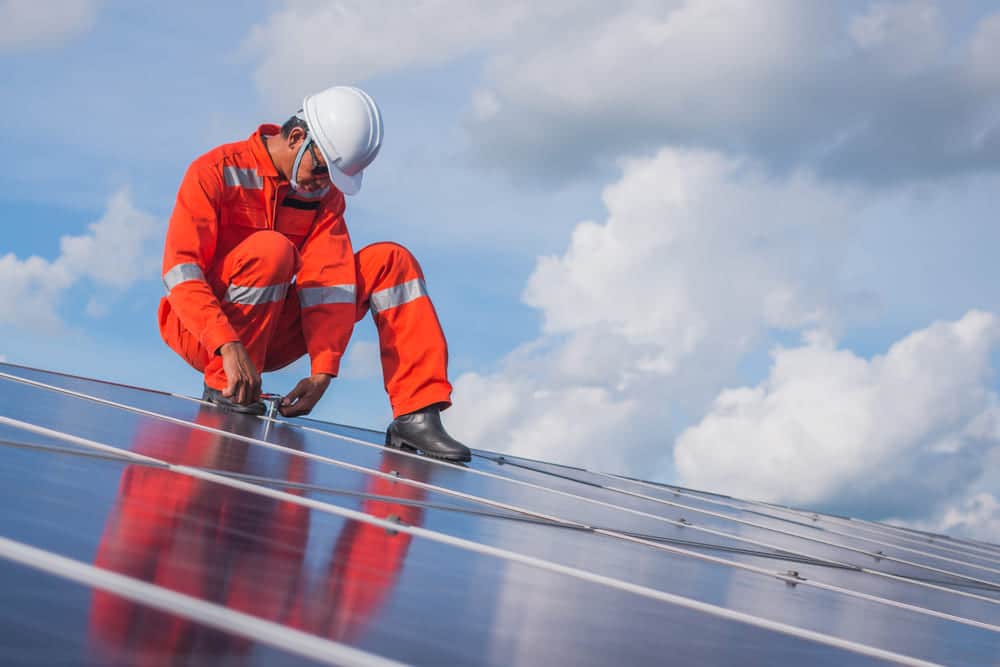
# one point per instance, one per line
(413, 348)
(251, 288)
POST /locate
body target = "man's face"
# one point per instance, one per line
(313, 173)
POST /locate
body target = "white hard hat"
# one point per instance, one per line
(346, 124)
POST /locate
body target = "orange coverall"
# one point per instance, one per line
(248, 259)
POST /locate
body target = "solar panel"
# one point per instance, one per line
(143, 527)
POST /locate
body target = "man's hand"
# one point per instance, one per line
(305, 396)
(242, 378)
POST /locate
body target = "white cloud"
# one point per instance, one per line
(973, 512)
(984, 52)
(695, 243)
(882, 94)
(308, 45)
(908, 36)
(648, 315)
(648, 312)
(29, 289)
(113, 255)
(977, 517)
(28, 24)
(537, 418)
(858, 96)
(899, 433)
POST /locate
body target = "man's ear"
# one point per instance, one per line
(295, 138)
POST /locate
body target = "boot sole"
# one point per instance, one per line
(394, 442)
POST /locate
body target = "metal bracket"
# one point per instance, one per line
(274, 400)
(790, 574)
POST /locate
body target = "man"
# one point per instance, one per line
(259, 271)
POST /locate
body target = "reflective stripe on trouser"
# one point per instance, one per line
(413, 347)
(255, 279)
(390, 283)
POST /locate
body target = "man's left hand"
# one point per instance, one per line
(301, 400)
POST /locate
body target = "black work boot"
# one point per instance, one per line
(215, 396)
(422, 431)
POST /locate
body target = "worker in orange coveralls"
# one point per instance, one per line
(259, 271)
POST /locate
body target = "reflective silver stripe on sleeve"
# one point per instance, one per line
(398, 295)
(181, 273)
(244, 178)
(253, 296)
(317, 296)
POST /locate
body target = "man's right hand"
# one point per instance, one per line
(242, 378)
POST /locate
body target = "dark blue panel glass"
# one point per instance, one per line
(701, 511)
(371, 588)
(404, 597)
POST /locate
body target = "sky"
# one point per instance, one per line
(746, 246)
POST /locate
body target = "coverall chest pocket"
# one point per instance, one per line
(294, 223)
(243, 214)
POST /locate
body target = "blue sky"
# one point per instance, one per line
(746, 246)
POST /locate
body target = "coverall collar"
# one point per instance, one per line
(265, 167)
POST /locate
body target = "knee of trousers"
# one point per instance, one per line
(275, 255)
(389, 254)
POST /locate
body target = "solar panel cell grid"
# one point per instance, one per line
(315, 529)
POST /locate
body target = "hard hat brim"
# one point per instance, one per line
(349, 185)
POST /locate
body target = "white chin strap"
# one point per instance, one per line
(293, 179)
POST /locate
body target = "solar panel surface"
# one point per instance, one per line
(142, 527)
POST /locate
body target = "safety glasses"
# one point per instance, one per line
(319, 167)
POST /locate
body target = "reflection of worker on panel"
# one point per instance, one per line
(223, 545)
(367, 559)
(239, 549)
